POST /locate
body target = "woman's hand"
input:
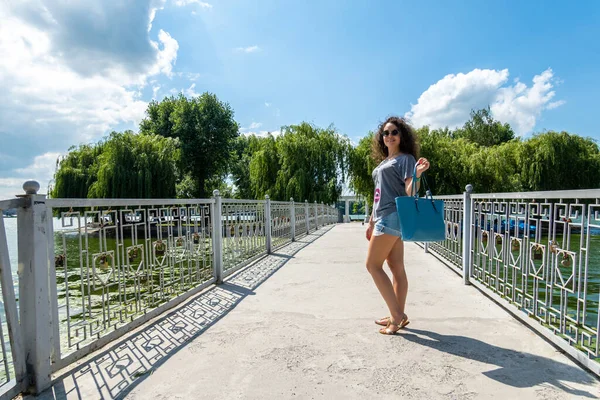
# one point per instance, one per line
(369, 232)
(422, 166)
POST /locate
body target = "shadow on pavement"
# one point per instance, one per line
(128, 362)
(517, 369)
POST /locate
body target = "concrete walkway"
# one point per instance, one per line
(299, 324)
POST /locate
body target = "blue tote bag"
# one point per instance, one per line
(421, 219)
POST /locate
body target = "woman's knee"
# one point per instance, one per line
(373, 266)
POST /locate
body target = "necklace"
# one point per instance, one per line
(393, 156)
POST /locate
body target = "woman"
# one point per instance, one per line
(395, 144)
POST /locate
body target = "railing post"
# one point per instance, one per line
(293, 218)
(34, 291)
(316, 216)
(307, 217)
(217, 237)
(466, 233)
(268, 219)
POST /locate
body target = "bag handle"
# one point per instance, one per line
(413, 189)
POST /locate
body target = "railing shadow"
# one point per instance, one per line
(127, 363)
(516, 369)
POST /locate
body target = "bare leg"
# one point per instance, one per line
(379, 250)
(395, 261)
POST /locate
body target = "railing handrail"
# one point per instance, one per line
(242, 201)
(553, 194)
(449, 197)
(11, 203)
(72, 202)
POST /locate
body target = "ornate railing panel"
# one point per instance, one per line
(281, 223)
(244, 233)
(116, 261)
(451, 248)
(540, 251)
(542, 254)
(300, 215)
(312, 217)
(110, 265)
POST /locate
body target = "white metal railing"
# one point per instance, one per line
(538, 251)
(105, 266)
(116, 262)
(281, 223)
(244, 236)
(300, 221)
(13, 377)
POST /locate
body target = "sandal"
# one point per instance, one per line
(385, 320)
(387, 330)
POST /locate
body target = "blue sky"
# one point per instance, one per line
(76, 71)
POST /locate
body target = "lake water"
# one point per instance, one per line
(10, 225)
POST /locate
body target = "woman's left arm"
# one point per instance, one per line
(422, 166)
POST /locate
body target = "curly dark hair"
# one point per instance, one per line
(408, 139)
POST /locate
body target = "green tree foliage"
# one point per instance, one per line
(486, 154)
(206, 130)
(484, 130)
(245, 147)
(123, 165)
(263, 168)
(361, 165)
(312, 163)
(304, 162)
(77, 171)
(553, 160)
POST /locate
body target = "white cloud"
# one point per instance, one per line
(249, 49)
(10, 187)
(450, 101)
(202, 4)
(255, 125)
(251, 130)
(41, 170)
(53, 99)
(190, 92)
(262, 133)
(155, 90)
(267, 104)
(555, 104)
(167, 56)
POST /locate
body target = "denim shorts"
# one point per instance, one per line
(390, 224)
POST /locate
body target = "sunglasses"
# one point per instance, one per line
(393, 133)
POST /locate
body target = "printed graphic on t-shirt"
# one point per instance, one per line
(377, 195)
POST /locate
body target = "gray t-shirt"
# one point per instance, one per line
(389, 177)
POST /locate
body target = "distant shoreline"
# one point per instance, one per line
(11, 212)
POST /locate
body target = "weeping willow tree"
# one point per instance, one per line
(77, 171)
(313, 163)
(486, 154)
(360, 167)
(123, 165)
(264, 165)
(304, 162)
